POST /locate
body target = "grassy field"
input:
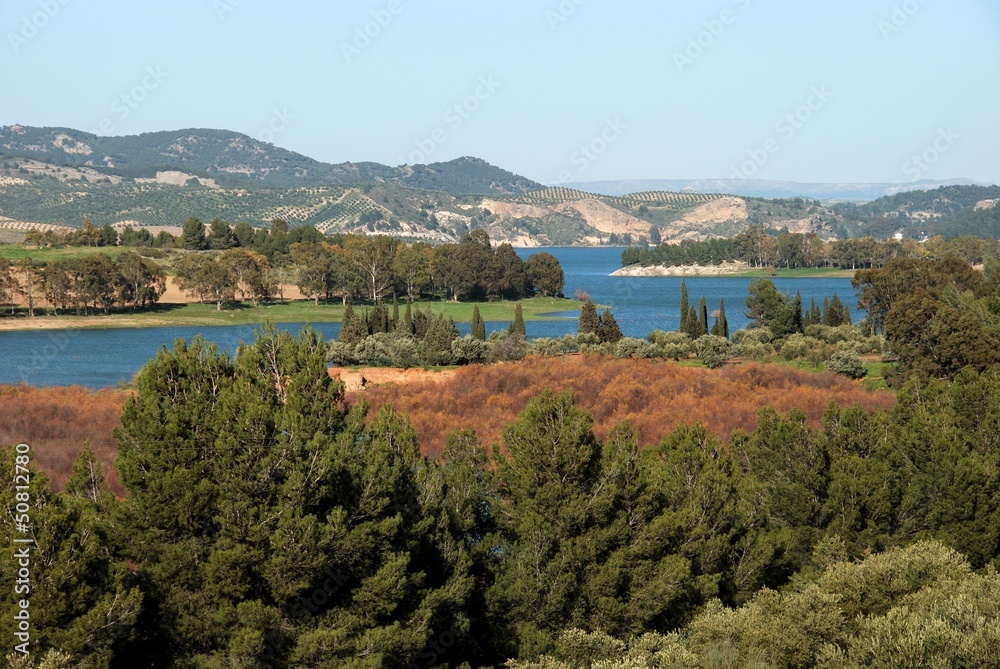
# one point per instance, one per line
(17, 252)
(534, 309)
(798, 273)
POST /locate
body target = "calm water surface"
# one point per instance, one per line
(100, 358)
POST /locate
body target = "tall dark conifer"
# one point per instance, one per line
(685, 307)
(478, 324)
(590, 323)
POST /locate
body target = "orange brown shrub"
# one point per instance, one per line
(56, 422)
(655, 396)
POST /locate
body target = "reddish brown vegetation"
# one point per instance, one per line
(56, 422)
(654, 396)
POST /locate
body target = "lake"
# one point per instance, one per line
(101, 358)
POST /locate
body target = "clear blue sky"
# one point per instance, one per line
(896, 78)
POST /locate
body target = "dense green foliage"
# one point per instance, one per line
(938, 316)
(269, 524)
(243, 263)
(950, 211)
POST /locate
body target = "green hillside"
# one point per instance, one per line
(951, 211)
(233, 159)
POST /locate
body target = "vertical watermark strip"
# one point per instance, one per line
(22, 540)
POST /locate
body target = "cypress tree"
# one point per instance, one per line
(847, 316)
(692, 322)
(825, 318)
(478, 324)
(517, 327)
(684, 307)
(703, 317)
(609, 330)
(437, 343)
(835, 313)
(721, 326)
(395, 313)
(590, 323)
(797, 313)
(408, 317)
(816, 317)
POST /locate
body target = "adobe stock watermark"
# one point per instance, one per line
(280, 120)
(128, 102)
(454, 118)
(563, 12)
(918, 164)
(32, 25)
(787, 127)
(47, 355)
(900, 16)
(431, 654)
(588, 153)
(698, 44)
(370, 31)
(223, 8)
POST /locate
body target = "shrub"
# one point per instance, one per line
(798, 346)
(674, 345)
(468, 350)
(341, 353)
(629, 347)
(404, 352)
(510, 348)
(558, 346)
(753, 335)
(713, 350)
(847, 363)
(374, 350)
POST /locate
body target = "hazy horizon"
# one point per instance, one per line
(564, 91)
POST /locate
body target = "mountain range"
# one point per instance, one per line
(830, 193)
(57, 176)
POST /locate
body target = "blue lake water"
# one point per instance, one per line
(101, 358)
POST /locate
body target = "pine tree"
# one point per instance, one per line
(353, 329)
(685, 307)
(590, 323)
(478, 324)
(517, 327)
(608, 329)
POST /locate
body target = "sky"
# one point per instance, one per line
(556, 90)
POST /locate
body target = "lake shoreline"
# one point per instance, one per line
(206, 315)
(734, 270)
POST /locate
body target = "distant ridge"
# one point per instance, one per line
(851, 192)
(232, 158)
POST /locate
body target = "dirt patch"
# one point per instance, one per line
(357, 379)
(722, 210)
